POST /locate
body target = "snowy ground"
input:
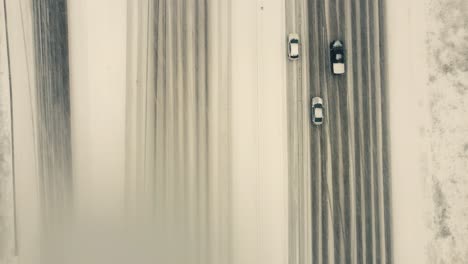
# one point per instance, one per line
(429, 132)
(447, 183)
(429, 109)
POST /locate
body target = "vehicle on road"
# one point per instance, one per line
(293, 46)
(317, 111)
(337, 57)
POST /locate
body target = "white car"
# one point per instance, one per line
(317, 111)
(293, 46)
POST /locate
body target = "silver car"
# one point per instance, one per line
(293, 46)
(317, 111)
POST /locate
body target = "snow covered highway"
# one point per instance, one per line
(344, 217)
(232, 131)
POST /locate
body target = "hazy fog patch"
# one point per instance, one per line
(6, 185)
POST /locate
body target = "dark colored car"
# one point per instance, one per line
(337, 56)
